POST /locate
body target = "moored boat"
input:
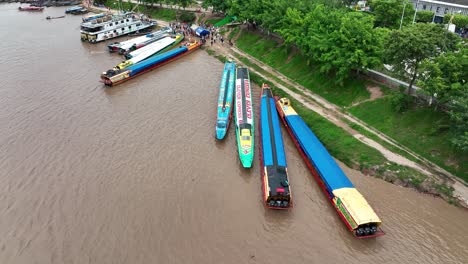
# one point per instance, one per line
(244, 118)
(273, 165)
(30, 8)
(73, 8)
(226, 93)
(350, 205)
(49, 17)
(114, 77)
(118, 25)
(154, 48)
(138, 42)
(79, 11)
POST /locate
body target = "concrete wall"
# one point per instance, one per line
(395, 83)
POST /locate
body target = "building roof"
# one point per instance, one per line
(454, 3)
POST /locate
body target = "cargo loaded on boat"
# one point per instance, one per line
(118, 25)
(226, 92)
(244, 118)
(138, 42)
(351, 206)
(154, 48)
(275, 182)
(114, 77)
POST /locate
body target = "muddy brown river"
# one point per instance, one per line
(133, 174)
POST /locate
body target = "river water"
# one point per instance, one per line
(133, 174)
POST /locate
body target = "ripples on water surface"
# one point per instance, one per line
(133, 174)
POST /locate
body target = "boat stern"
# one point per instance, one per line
(245, 147)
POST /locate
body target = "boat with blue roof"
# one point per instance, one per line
(349, 203)
(273, 165)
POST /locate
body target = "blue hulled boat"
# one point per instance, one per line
(226, 92)
(275, 182)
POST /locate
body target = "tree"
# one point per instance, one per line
(388, 12)
(445, 75)
(218, 5)
(407, 48)
(353, 45)
(339, 40)
(424, 16)
(461, 21)
(459, 117)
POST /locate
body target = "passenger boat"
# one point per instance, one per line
(119, 25)
(154, 48)
(350, 205)
(244, 118)
(114, 77)
(275, 182)
(226, 93)
(138, 42)
(30, 8)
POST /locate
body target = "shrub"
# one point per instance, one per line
(401, 102)
(187, 17)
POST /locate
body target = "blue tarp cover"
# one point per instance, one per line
(136, 68)
(266, 142)
(201, 32)
(331, 173)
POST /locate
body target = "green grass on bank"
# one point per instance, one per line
(154, 12)
(213, 21)
(351, 151)
(296, 68)
(420, 129)
(339, 143)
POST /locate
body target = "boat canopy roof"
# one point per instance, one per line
(329, 170)
(357, 206)
(268, 148)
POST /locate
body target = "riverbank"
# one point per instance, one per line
(134, 174)
(348, 139)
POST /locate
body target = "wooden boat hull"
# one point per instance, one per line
(226, 92)
(31, 8)
(244, 118)
(285, 110)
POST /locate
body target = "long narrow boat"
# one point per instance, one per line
(73, 8)
(351, 206)
(226, 91)
(137, 42)
(244, 118)
(275, 182)
(155, 48)
(111, 77)
(30, 8)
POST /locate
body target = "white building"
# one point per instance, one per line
(441, 8)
